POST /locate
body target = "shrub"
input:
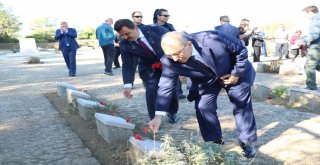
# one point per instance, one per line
(192, 152)
(280, 92)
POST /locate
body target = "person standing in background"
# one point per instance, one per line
(161, 17)
(264, 45)
(68, 46)
(137, 19)
(105, 35)
(226, 27)
(282, 42)
(117, 51)
(294, 46)
(256, 44)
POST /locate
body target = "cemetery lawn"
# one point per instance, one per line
(104, 152)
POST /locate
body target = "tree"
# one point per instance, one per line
(9, 24)
(43, 29)
(87, 33)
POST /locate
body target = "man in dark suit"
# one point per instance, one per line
(68, 46)
(212, 60)
(226, 27)
(144, 42)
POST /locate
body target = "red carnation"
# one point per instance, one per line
(102, 103)
(128, 120)
(113, 114)
(138, 137)
(269, 97)
(145, 130)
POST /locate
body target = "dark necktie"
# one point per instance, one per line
(144, 46)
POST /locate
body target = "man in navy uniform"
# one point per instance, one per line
(68, 46)
(212, 60)
(144, 42)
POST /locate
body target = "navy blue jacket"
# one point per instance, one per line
(228, 29)
(153, 34)
(222, 53)
(67, 38)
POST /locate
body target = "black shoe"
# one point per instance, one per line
(182, 96)
(72, 75)
(220, 141)
(116, 67)
(313, 89)
(109, 73)
(172, 117)
(248, 149)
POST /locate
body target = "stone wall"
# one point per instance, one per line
(52, 45)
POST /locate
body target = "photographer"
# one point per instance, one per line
(257, 41)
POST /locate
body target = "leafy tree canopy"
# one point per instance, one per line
(9, 23)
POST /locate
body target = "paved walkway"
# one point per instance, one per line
(32, 132)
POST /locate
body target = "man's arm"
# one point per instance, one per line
(166, 90)
(238, 51)
(58, 34)
(72, 33)
(127, 64)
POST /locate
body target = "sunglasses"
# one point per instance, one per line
(165, 15)
(137, 16)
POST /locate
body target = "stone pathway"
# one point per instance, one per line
(32, 132)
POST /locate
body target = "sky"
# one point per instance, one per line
(192, 16)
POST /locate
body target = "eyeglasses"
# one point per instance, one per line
(137, 16)
(165, 15)
(178, 53)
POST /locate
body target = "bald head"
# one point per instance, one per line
(109, 21)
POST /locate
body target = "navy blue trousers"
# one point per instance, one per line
(240, 97)
(151, 87)
(108, 53)
(69, 56)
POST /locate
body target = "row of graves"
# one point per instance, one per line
(111, 128)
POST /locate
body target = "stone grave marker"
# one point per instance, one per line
(72, 95)
(28, 46)
(113, 129)
(308, 99)
(62, 87)
(139, 149)
(260, 92)
(289, 69)
(87, 108)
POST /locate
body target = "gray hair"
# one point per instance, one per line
(182, 37)
(64, 23)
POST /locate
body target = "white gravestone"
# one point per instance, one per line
(140, 149)
(62, 87)
(72, 95)
(113, 129)
(308, 99)
(87, 108)
(28, 46)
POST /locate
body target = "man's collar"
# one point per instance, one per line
(194, 51)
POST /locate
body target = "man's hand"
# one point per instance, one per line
(127, 93)
(155, 123)
(229, 80)
(64, 29)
